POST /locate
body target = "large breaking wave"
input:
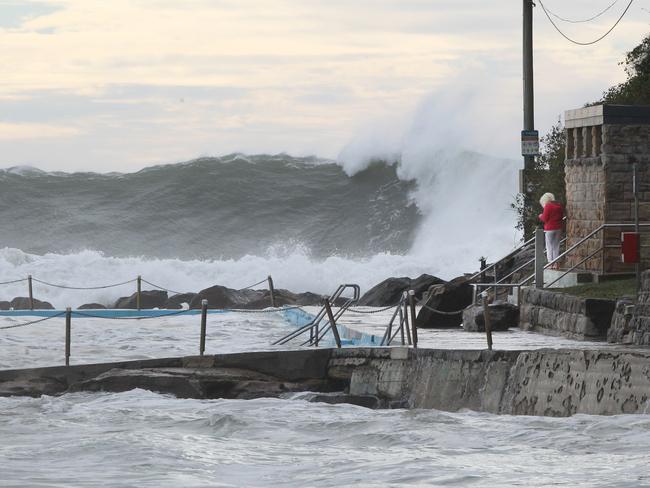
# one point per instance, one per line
(232, 220)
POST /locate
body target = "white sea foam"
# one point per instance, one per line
(296, 271)
(464, 196)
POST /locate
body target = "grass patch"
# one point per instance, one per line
(610, 290)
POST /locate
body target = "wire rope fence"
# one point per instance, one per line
(139, 280)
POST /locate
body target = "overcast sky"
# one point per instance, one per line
(122, 84)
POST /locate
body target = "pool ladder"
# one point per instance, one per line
(314, 327)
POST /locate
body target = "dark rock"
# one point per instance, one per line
(5, 305)
(368, 401)
(91, 306)
(282, 298)
(197, 383)
(389, 291)
(453, 296)
(422, 283)
(22, 303)
(176, 301)
(222, 297)
(148, 299)
(311, 299)
(502, 316)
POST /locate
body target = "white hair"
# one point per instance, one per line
(546, 197)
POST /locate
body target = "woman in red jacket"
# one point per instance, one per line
(552, 217)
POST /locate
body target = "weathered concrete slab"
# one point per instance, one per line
(283, 366)
(547, 382)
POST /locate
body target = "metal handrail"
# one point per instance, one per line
(318, 334)
(507, 256)
(388, 336)
(313, 326)
(579, 243)
(525, 281)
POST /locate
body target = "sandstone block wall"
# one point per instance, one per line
(564, 315)
(598, 177)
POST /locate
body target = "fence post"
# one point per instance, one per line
(204, 321)
(414, 327)
(483, 266)
(330, 317)
(271, 291)
(31, 292)
(406, 321)
(68, 327)
(139, 293)
(486, 318)
(539, 258)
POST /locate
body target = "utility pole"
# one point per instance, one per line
(529, 137)
(529, 97)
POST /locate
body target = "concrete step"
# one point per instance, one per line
(574, 278)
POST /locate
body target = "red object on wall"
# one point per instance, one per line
(630, 247)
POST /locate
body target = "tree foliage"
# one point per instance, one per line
(636, 89)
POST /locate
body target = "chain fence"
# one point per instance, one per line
(14, 326)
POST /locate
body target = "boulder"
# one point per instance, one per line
(263, 299)
(222, 297)
(4, 305)
(22, 303)
(91, 306)
(453, 296)
(148, 299)
(389, 291)
(503, 316)
(176, 301)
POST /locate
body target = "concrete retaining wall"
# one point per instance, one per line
(637, 330)
(543, 382)
(565, 315)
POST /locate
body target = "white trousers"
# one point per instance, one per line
(553, 238)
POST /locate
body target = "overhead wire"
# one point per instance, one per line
(582, 21)
(548, 15)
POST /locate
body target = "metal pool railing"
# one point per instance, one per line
(316, 330)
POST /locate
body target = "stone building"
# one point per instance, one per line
(603, 144)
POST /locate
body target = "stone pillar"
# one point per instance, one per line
(603, 142)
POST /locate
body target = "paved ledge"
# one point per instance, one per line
(547, 382)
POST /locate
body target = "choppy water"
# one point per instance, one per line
(101, 340)
(139, 438)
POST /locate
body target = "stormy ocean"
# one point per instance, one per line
(312, 224)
